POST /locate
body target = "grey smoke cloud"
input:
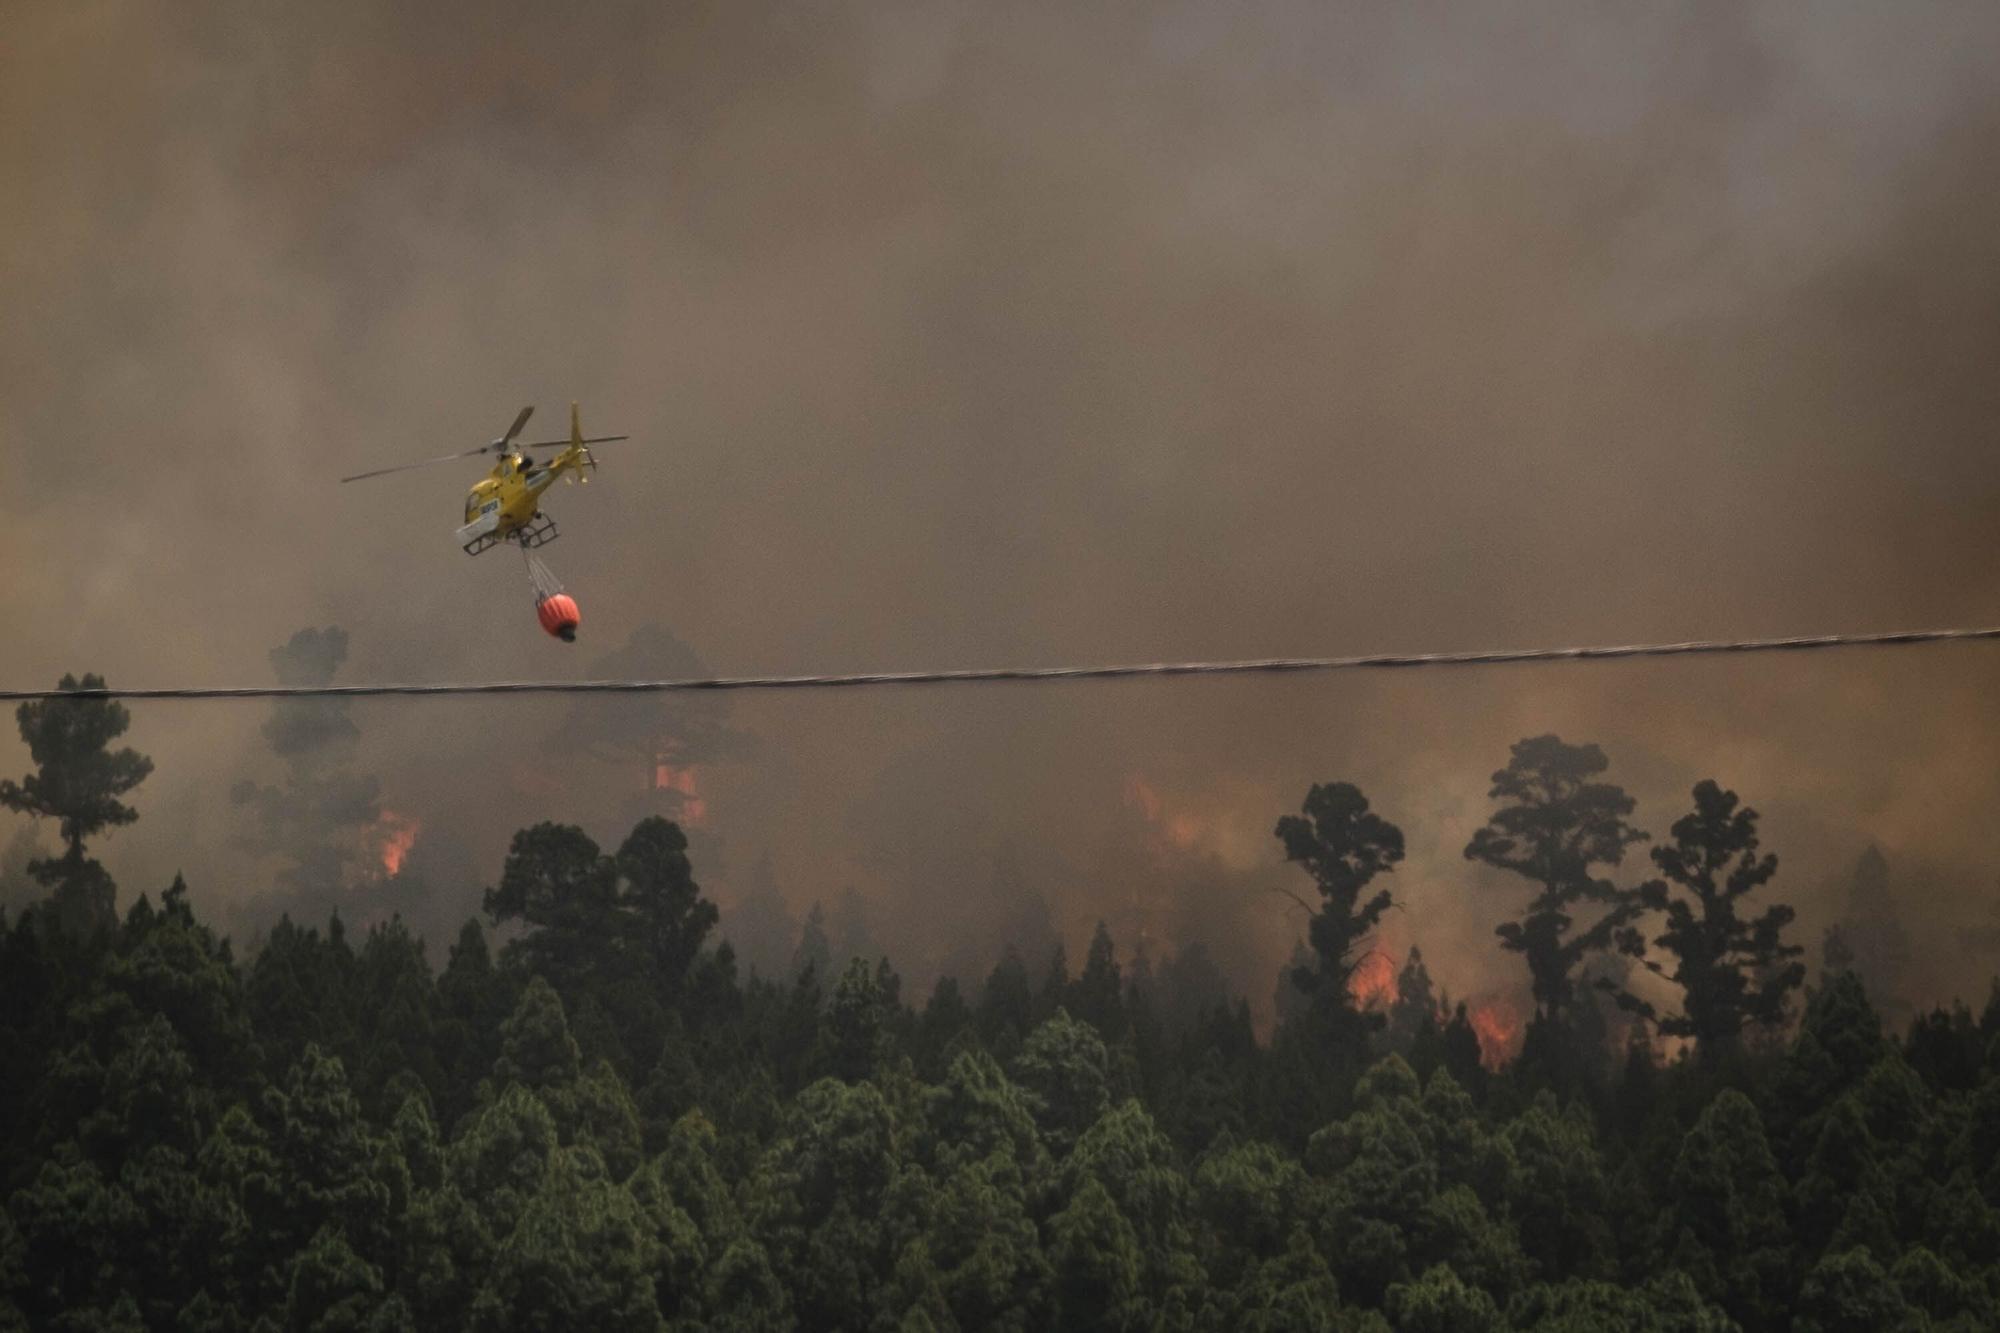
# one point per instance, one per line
(957, 335)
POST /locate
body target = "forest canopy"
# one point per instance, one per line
(592, 1115)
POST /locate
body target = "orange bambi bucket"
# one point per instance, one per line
(559, 616)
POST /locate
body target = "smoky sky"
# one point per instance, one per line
(980, 335)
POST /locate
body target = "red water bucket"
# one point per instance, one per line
(559, 616)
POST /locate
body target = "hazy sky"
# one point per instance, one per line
(961, 335)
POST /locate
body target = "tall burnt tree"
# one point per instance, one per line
(1555, 826)
(1733, 971)
(77, 782)
(1343, 845)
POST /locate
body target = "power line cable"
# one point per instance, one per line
(991, 675)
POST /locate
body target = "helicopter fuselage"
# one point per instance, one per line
(508, 500)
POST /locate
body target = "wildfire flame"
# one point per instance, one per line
(1373, 981)
(1497, 1024)
(684, 783)
(398, 833)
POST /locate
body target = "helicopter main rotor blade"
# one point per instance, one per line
(514, 429)
(500, 445)
(428, 462)
(564, 444)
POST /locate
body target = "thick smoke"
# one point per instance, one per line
(969, 335)
(314, 823)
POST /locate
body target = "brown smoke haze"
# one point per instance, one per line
(960, 335)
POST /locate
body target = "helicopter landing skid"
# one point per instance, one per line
(540, 532)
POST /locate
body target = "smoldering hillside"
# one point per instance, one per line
(957, 336)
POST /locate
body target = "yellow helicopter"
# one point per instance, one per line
(506, 506)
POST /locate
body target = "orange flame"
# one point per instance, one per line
(1372, 983)
(1497, 1024)
(684, 783)
(398, 834)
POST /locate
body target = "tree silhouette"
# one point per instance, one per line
(77, 782)
(1097, 995)
(1343, 846)
(1555, 825)
(658, 893)
(557, 883)
(1733, 971)
(1416, 1004)
(814, 955)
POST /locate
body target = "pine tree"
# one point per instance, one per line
(77, 782)
(536, 1048)
(1733, 971)
(657, 891)
(1097, 996)
(814, 954)
(1441, 1302)
(1055, 985)
(853, 1038)
(1006, 1004)
(1461, 1053)
(1098, 1265)
(1065, 1072)
(946, 1015)
(1343, 846)
(1555, 826)
(1416, 1002)
(398, 1014)
(557, 883)
(473, 1001)
(820, 1201)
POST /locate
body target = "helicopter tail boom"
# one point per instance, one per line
(576, 456)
